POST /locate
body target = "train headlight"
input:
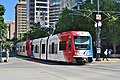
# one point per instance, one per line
(77, 53)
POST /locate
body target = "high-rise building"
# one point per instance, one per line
(10, 29)
(48, 9)
(20, 18)
(54, 12)
(36, 10)
(56, 7)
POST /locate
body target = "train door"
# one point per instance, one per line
(24, 49)
(18, 48)
(36, 48)
(40, 48)
(69, 47)
(53, 47)
(43, 48)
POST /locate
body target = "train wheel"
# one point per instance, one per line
(80, 61)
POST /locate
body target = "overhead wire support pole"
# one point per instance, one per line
(98, 40)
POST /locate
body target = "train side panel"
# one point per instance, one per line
(21, 49)
(36, 48)
(43, 48)
(53, 49)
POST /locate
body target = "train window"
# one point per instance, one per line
(36, 49)
(23, 48)
(62, 45)
(56, 47)
(43, 48)
(69, 44)
(40, 45)
(53, 44)
(20, 48)
(82, 42)
(50, 49)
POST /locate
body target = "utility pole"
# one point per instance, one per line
(98, 30)
(1, 46)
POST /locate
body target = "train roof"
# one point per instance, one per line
(76, 33)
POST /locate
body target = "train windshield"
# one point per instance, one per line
(82, 42)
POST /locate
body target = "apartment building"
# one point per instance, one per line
(54, 12)
(10, 29)
(20, 18)
(37, 10)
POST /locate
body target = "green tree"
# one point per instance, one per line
(2, 10)
(3, 26)
(114, 32)
(32, 34)
(110, 28)
(74, 20)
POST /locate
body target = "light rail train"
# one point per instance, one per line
(71, 47)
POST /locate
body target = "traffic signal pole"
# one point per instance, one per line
(98, 30)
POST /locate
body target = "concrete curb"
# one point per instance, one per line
(104, 62)
(111, 61)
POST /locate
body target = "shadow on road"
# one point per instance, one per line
(49, 62)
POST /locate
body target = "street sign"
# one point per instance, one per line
(98, 17)
(98, 50)
(98, 24)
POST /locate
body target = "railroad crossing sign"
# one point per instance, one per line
(98, 17)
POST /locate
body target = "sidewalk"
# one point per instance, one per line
(110, 61)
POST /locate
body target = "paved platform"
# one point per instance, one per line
(110, 61)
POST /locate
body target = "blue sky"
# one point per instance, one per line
(10, 8)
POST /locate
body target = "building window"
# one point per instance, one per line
(42, 0)
(39, 4)
(41, 9)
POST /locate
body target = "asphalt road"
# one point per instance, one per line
(30, 69)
